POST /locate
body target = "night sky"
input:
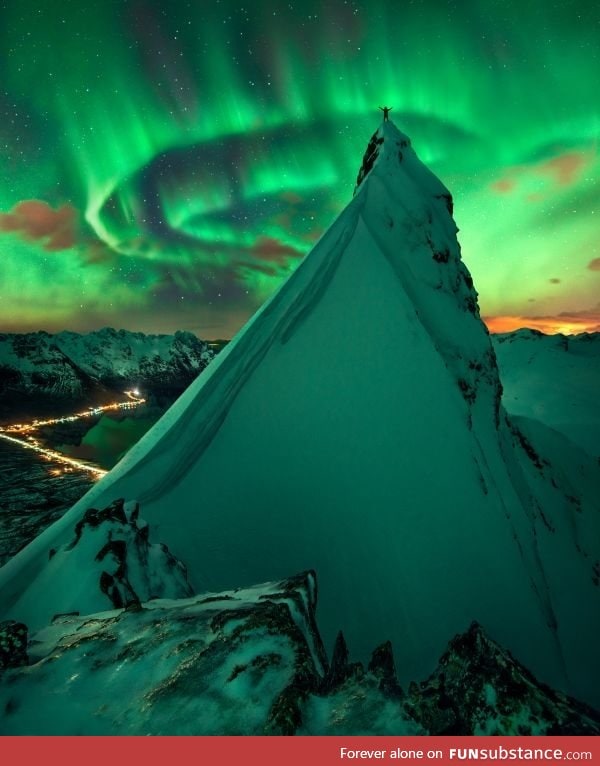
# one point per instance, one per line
(164, 165)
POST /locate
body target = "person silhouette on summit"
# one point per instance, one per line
(386, 110)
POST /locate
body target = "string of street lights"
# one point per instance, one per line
(68, 464)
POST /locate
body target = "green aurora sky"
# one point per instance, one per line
(166, 164)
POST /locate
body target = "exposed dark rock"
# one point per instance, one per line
(260, 663)
(64, 615)
(210, 599)
(302, 590)
(527, 447)
(130, 568)
(272, 614)
(441, 256)
(94, 517)
(468, 391)
(383, 667)
(471, 304)
(340, 669)
(251, 664)
(285, 715)
(480, 688)
(13, 644)
(371, 154)
(448, 202)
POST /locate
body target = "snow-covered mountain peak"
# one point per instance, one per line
(390, 152)
(408, 213)
(354, 427)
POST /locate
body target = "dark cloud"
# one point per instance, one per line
(36, 221)
(554, 281)
(291, 197)
(591, 314)
(268, 255)
(273, 250)
(314, 235)
(562, 170)
(594, 265)
(198, 283)
(504, 185)
(566, 168)
(97, 252)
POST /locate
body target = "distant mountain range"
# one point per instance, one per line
(40, 371)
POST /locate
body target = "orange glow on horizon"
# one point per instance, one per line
(547, 325)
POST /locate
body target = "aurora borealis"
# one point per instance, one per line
(166, 164)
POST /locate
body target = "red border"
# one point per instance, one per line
(291, 751)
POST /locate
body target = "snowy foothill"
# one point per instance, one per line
(553, 379)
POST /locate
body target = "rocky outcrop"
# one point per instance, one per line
(235, 662)
(480, 688)
(250, 662)
(13, 644)
(110, 562)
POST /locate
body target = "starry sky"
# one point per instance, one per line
(165, 164)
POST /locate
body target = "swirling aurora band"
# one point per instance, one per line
(165, 165)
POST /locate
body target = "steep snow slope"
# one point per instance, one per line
(554, 379)
(354, 427)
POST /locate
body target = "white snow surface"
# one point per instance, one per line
(353, 427)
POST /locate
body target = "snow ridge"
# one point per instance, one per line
(405, 204)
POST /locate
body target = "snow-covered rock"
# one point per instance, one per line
(354, 427)
(554, 379)
(110, 562)
(479, 688)
(251, 661)
(237, 662)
